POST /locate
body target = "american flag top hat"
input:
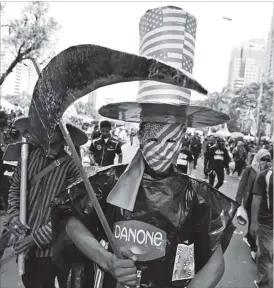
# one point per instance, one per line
(168, 35)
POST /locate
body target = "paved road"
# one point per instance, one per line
(240, 269)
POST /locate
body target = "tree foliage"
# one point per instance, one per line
(23, 99)
(29, 36)
(242, 105)
(84, 109)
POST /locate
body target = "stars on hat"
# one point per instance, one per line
(151, 20)
(187, 64)
(191, 25)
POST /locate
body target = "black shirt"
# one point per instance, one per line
(265, 215)
(218, 158)
(104, 152)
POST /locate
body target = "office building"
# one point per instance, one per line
(246, 64)
(269, 55)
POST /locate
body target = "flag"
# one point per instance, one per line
(168, 34)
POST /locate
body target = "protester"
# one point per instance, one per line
(239, 156)
(48, 175)
(185, 159)
(195, 148)
(104, 149)
(244, 193)
(262, 227)
(218, 160)
(148, 191)
(207, 145)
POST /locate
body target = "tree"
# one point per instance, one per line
(244, 105)
(241, 106)
(29, 37)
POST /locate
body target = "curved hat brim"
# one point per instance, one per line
(77, 135)
(194, 116)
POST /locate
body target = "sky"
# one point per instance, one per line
(116, 25)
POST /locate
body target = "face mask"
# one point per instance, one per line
(160, 144)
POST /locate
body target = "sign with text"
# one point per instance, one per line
(144, 240)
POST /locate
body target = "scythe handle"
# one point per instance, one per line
(93, 197)
(23, 198)
(90, 191)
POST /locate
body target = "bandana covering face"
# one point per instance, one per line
(160, 143)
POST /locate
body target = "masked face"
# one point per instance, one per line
(160, 143)
(265, 162)
(56, 146)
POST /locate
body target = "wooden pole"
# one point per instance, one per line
(23, 198)
(89, 189)
(93, 198)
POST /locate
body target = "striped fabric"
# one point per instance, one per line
(40, 196)
(168, 34)
(159, 150)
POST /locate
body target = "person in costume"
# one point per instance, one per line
(170, 227)
(48, 175)
(158, 214)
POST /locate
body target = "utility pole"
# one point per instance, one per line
(259, 106)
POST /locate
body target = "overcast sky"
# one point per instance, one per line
(116, 25)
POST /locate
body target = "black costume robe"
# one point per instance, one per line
(179, 209)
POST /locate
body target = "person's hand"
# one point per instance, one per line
(254, 226)
(23, 244)
(123, 270)
(17, 228)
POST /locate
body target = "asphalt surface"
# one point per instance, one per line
(240, 270)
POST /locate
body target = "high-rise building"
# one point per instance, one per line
(246, 64)
(269, 55)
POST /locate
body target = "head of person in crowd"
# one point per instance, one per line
(262, 160)
(184, 144)
(105, 128)
(160, 143)
(220, 142)
(211, 139)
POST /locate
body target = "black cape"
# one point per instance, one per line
(184, 209)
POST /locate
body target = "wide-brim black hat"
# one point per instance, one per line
(77, 135)
(193, 116)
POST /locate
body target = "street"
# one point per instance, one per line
(240, 270)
